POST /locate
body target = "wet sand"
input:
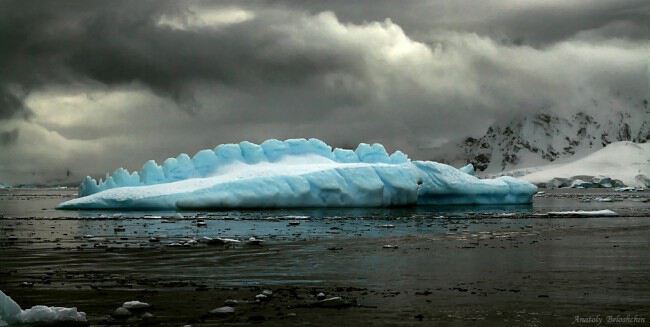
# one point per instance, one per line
(412, 266)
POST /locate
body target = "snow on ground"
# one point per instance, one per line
(620, 160)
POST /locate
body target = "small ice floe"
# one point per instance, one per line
(136, 305)
(201, 223)
(11, 313)
(584, 213)
(387, 226)
(12, 238)
(223, 311)
(218, 241)
(184, 242)
(606, 199)
(227, 240)
(390, 246)
(296, 217)
(255, 241)
(332, 302)
(151, 217)
(625, 189)
(294, 223)
(261, 298)
(154, 239)
(320, 296)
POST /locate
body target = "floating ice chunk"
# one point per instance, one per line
(219, 240)
(443, 184)
(222, 311)
(11, 313)
(9, 310)
(592, 213)
(295, 173)
(135, 305)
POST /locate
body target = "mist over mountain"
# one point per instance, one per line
(542, 138)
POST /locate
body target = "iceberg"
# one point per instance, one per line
(11, 314)
(294, 173)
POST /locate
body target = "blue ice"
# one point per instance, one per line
(294, 173)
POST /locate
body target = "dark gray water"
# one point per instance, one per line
(455, 265)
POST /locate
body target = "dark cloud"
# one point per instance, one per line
(9, 137)
(122, 42)
(103, 78)
(535, 23)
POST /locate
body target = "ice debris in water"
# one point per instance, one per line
(586, 213)
(295, 173)
(11, 313)
(135, 305)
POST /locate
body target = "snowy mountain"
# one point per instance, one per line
(542, 138)
(625, 161)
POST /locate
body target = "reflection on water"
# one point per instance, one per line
(489, 258)
(41, 203)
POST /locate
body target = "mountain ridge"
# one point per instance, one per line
(543, 138)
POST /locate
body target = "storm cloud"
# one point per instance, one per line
(90, 86)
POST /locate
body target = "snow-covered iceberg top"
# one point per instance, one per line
(11, 313)
(295, 173)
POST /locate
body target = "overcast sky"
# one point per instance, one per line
(93, 85)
